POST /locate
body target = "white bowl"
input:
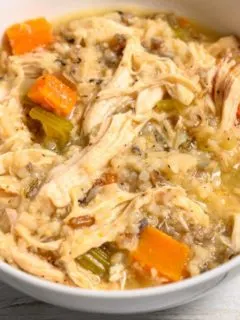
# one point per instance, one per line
(219, 14)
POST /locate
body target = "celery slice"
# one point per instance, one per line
(186, 33)
(56, 129)
(182, 34)
(97, 260)
(170, 105)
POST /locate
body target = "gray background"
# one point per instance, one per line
(222, 304)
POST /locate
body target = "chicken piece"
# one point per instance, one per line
(33, 242)
(18, 141)
(181, 162)
(226, 92)
(12, 163)
(231, 98)
(36, 266)
(120, 133)
(112, 218)
(193, 210)
(146, 101)
(199, 260)
(11, 120)
(222, 71)
(157, 29)
(168, 132)
(4, 90)
(84, 168)
(153, 74)
(175, 162)
(8, 218)
(223, 45)
(12, 126)
(199, 57)
(115, 212)
(85, 69)
(154, 70)
(33, 64)
(6, 242)
(83, 240)
(95, 118)
(10, 185)
(103, 107)
(236, 233)
(28, 221)
(99, 29)
(181, 93)
(101, 206)
(89, 68)
(82, 277)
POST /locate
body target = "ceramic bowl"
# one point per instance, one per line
(222, 15)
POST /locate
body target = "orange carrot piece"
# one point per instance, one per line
(160, 251)
(52, 94)
(238, 113)
(29, 35)
(183, 22)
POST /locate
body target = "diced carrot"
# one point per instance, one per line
(238, 112)
(159, 251)
(183, 22)
(52, 94)
(106, 178)
(29, 35)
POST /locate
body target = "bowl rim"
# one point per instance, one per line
(38, 282)
(35, 281)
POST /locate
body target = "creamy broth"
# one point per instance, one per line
(119, 149)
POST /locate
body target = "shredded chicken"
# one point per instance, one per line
(33, 64)
(226, 84)
(81, 170)
(36, 266)
(98, 29)
(200, 260)
(236, 233)
(25, 234)
(223, 46)
(193, 209)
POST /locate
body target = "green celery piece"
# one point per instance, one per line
(92, 264)
(187, 33)
(97, 260)
(182, 34)
(56, 129)
(169, 105)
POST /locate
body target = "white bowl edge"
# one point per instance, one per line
(226, 19)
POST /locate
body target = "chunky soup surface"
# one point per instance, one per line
(119, 150)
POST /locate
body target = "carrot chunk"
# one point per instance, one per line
(160, 251)
(183, 22)
(29, 35)
(238, 113)
(52, 94)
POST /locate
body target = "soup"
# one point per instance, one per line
(119, 149)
